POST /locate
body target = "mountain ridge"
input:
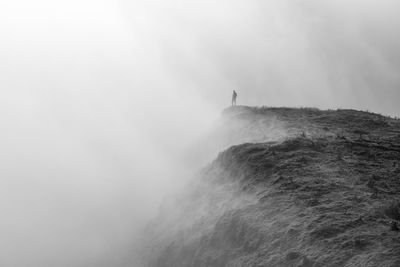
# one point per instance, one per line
(327, 193)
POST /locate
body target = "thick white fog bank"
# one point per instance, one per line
(90, 129)
(100, 99)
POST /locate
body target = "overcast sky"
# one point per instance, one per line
(97, 98)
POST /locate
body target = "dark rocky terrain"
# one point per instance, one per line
(296, 187)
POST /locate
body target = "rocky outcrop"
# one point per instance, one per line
(322, 197)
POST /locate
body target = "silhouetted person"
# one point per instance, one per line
(234, 96)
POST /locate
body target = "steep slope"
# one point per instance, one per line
(327, 194)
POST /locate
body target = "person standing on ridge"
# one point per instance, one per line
(234, 96)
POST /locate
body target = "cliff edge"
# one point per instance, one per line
(322, 190)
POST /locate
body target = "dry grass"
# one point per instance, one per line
(322, 196)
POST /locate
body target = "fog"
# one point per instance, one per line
(99, 101)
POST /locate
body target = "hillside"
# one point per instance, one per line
(295, 187)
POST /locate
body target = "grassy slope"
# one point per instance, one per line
(323, 197)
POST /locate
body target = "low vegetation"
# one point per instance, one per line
(327, 195)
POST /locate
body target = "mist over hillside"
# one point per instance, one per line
(109, 109)
(322, 192)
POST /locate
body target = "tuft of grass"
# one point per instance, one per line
(393, 211)
(361, 132)
(394, 226)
